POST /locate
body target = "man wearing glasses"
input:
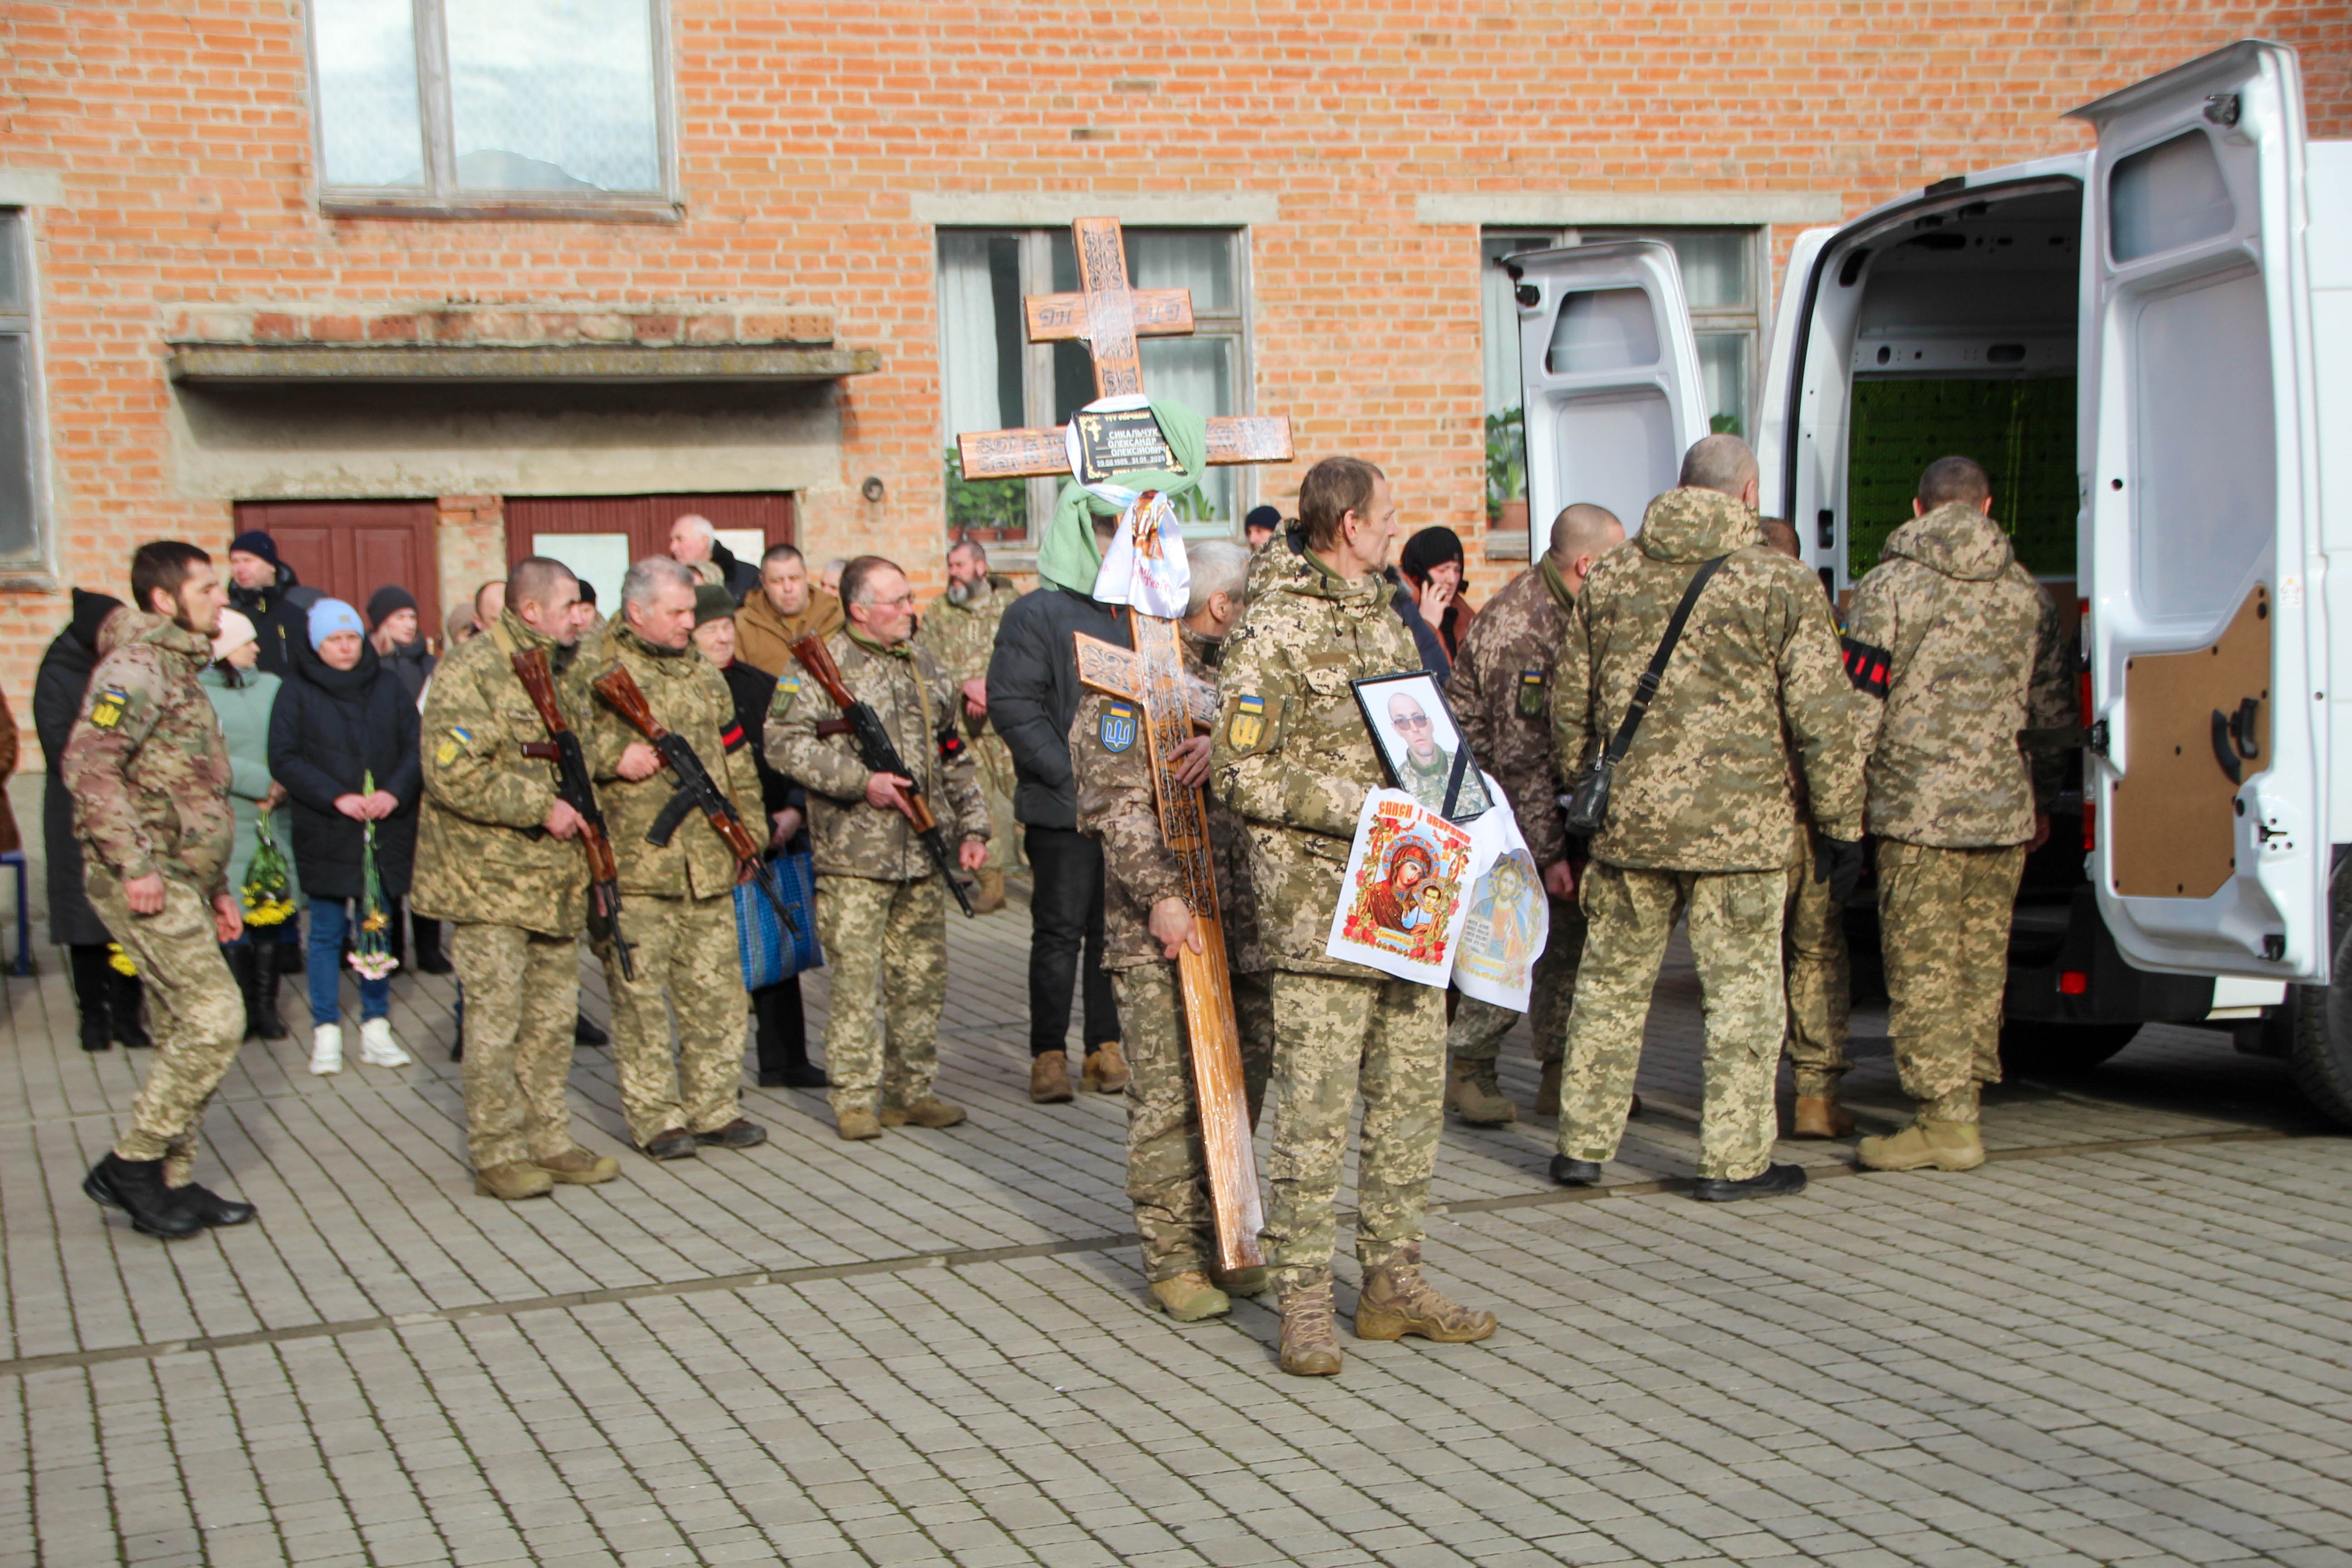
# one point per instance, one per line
(1428, 766)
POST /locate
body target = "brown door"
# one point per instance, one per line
(644, 520)
(349, 549)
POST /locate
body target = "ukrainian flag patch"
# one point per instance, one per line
(1247, 725)
(106, 710)
(1118, 728)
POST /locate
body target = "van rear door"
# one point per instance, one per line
(2200, 529)
(1610, 369)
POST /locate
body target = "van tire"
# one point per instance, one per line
(2038, 1049)
(2321, 1054)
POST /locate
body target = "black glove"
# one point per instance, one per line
(1838, 862)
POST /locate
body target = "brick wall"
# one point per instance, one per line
(182, 138)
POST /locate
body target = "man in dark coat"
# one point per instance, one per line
(108, 999)
(266, 590)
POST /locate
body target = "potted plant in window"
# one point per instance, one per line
(1506, 472)
(984, 509)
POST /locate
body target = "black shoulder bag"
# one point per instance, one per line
(1586, 804)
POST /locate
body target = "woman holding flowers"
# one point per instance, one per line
(342, 739)
(244, 696)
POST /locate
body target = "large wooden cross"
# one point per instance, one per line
(1107, 316)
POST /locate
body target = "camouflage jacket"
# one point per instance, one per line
(1118, 807)
(905, 687)
(689, 697)
(962, 637)
(1293, 757)
(145, 763)
(1706, 786)
(1963, 647)
(482, 856)
(1501, 695)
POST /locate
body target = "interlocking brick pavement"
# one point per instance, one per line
(2121, 1341)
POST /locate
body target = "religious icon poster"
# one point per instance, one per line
(1402, 901)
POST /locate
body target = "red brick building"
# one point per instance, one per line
(417, 285)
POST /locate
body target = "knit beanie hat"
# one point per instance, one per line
(236, 631)
(384, 601)
(712, 603)
(329, 616)
(253, 541)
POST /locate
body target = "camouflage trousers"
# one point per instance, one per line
(1820, 984)
(994, 762)
(1166, 1179)
(1943, 920)
(197, 1012)
(885, 940)
(522, 993)
(1735, 935)
(1478, 1027)
(686, 959)
(1331, 1036)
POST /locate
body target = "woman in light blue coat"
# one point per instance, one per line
(244, 696)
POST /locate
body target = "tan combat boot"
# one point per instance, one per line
(513, 1181)
(1819, 1116)
(1310, 1339)
(577, 1167)
(1105, 1070)
(1396, 1301)
(1472, 1094)
(1191, 1297)
(1049, 1078)
(856, 1123)
(1250, 1281)
(1924, 1145)
(989, 896)
(1548, 1090)
(929, 1111)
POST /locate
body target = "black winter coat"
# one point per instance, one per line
(57, 691)
(1034, 693)
(280, 615)
(742, 576)
(754, 691)
(330, 729)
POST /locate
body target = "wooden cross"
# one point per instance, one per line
(1107, 317)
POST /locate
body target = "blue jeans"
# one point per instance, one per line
(329, 920)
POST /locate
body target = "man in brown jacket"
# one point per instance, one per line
(785, 607)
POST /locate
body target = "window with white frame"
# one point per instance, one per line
(1723, 271)
(993, 378)
(499, 106)
(21, 446)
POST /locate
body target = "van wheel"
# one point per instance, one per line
(2321, 1054)
(2060, 1051)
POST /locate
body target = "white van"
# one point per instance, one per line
(2128, 338)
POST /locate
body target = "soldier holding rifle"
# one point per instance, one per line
(880, 913)
(654, 715)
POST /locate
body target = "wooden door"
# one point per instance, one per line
(349, 549)
(604, 534)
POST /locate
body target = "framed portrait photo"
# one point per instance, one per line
(1423, 745)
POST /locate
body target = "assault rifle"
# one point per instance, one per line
(697, 790)
(880, 756)
(561, 747)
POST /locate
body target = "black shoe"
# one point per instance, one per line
(1571, 1173)
(677, 1144)
(1771, 1182)
(800, 1074)
(136, 1187)
(124, 997)
(584, 1033)
(773, 1080)
(741, 1134)
(96, 1034)
(208, 1206)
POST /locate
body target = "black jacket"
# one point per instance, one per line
(280, 614)
(330, 729)
(742, 577)
(1034, 694)
(753, 691)
(412, 666)
(57, 691)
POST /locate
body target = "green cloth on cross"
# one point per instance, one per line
(1069, 557)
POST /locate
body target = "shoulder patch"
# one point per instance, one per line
(1531, 694)
(1247, 725)
(456, 740)
(106, 709)
(1872, 669)
(1116, 729)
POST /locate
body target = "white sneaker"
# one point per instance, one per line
(327, 1049)
(377, 1047)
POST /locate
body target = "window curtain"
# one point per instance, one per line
(1501, 325)
(969, 369)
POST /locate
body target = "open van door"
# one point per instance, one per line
(2200, 542)
(1609, 367)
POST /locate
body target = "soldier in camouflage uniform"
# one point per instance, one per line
(881, 903)
(1294, 758)
(1699, 818)
(1501, 695)
(679, 898)
(1145, 923)
(959, 627)
(1959, 649)
(149, 775)
(498, 856)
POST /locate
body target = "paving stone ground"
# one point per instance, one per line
(2122, 1341)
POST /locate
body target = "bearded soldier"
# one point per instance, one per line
(680, 900)
(1957, 649)
(1293, 757)
(498, 856)
(960, 628)
(881, 903)
(1146, 924)
(149, 775)
(1501, 694)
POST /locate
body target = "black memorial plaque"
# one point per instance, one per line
(1126, 442)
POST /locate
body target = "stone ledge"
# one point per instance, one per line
(520, 324)
(361, 362)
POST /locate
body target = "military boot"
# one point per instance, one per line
(513, 1181)
(1049, 1078)
(578, 1168)
(1819, 1116)
(989, 896)
(1105, 1070)
(929, 1111)
(1191, 1297)
(1548, 1090)
(856, 1123)
(136, 1187)
(1472, 1093)
(1250, 1281)
(1396, 1301)
(1310, 1339)
(1925, 1145)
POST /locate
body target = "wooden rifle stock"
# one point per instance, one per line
(620, 692)
(817, 659)
(579, 791)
